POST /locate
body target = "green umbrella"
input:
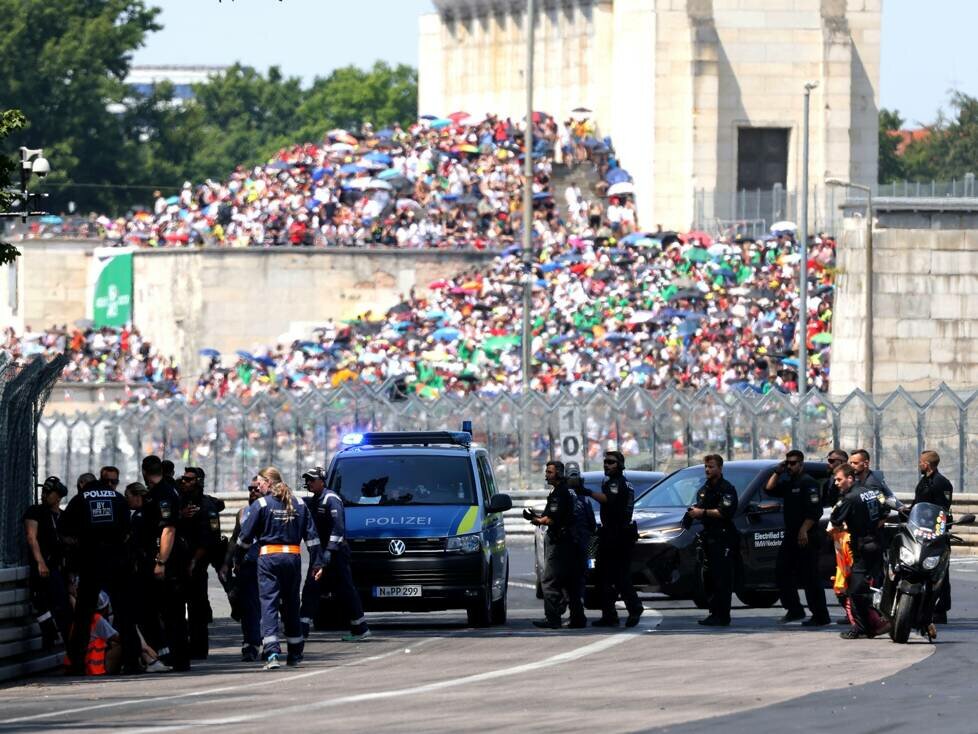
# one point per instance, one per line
(697, 255)
(498, 343)
(822, 337)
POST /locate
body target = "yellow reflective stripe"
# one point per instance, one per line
(467, 524)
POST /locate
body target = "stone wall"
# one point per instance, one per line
(46, 285)
(229, 299)
(925, 310)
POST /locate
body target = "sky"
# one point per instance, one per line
(924, 54)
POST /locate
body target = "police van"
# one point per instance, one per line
(424, 522)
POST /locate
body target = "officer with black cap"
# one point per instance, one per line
(200, 528)
(616, 541)
(715, 506)
(337, 577)
(97, 519)
(49, 594)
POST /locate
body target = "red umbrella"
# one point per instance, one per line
(457, 116)
(437, 285)
(704, 239)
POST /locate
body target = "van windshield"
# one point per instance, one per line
(410, 479)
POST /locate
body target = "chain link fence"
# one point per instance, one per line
(23, 393)
(657, 430)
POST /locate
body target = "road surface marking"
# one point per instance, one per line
(604, 643)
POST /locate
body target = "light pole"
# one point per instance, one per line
(526, 336)
(868, 359)
(32, 162)
(803, 252)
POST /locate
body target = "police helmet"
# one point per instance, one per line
(316, 472)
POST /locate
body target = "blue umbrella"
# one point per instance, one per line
(512, 250)
(427, 117)
(790, 362)
(440, 122)
(403, 325)
(631, 239)
(173, 200)
(569, 258)
(435, 315)
(351, 168)
(617, 175)
(385, 133)
(320, 172)
(447, 334)
(550, 267)
(559, 339)
(245, 355)
(389, 174)
(208, 352)
(379, 157)
(51, 219)
(687, 328)
(542, 195)
(266, 361)
(644, 369)
(619, 337)
(312, 347)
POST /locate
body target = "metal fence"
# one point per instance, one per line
(23, 393)
(751, 213)
(661, 430)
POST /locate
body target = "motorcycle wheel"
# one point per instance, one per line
(903, 615)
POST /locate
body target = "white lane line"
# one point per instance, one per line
(222, 689)
(958, 561)
(521, 585)
(604, 643)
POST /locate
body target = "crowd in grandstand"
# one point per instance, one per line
(613, 306)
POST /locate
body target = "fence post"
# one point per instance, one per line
(963, 448)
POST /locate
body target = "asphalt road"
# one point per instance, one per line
(431, 673)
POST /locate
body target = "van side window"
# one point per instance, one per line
(485, 476)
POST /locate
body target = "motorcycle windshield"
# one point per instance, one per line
(927, 521)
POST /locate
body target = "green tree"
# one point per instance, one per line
(64, 63)
(349, 97)
(891, 165)
(951, 148)
(10, 121)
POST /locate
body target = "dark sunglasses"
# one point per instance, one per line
(792, 462)
(187, 479)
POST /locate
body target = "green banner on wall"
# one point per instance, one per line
(112, 291)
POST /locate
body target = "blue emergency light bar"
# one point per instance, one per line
(423, 438)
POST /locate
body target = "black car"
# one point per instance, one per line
(641, 482)
(666, 557)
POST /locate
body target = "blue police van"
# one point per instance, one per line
(424, 522)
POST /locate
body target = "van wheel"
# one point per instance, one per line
(479, 613)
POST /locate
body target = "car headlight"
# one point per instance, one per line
(660, 535)
(907, 555)
(464, 543)
(930, 563)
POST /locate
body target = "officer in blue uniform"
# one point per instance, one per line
(278, 523)
(330, 517)
(245, 584)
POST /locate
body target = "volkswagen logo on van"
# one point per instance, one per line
(396, 547)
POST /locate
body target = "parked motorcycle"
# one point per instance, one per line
(916, 568)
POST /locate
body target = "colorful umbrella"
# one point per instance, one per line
(822, 337)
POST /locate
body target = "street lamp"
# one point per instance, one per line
(868, 293)
(803, 252)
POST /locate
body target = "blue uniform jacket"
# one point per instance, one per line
(268, 523)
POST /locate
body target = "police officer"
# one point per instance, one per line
(161, 510)
(278, 523)
(563, 578)
(97, 519)
(867, 480)
(616, 539)
(798, 554)
(715, 506)
(337, 577)
(935, 488)
(245, 582)
(200, 528)
(859, 510)
(49, 592)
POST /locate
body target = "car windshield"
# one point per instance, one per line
(679, 489)
(414, 479)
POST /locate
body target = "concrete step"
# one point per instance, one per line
(29, 664)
